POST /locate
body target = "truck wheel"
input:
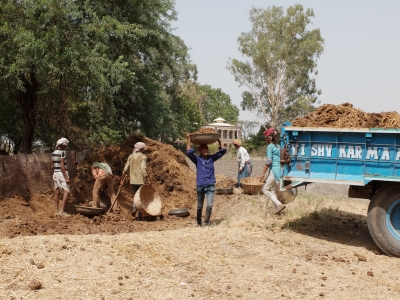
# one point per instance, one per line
(384, 219)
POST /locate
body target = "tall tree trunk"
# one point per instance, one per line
(28, 101)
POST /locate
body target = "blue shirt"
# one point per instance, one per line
(205, 166)
(273, 155)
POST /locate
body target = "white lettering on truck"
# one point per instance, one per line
(385, 155)
(345, 151)
(303, 151)
(372, 153)
(328, 148)
(358, 152)
(342, 150)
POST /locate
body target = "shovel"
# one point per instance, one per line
(119, 190)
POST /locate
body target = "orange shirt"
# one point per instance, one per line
(97, 172)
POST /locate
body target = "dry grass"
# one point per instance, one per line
(246, 254)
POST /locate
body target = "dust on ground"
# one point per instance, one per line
(318, 248)
(346, 116)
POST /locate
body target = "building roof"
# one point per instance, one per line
(219, 120)
(221, 124)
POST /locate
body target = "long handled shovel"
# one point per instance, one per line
(119, 190)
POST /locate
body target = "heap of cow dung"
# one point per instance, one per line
(205, 130)
(167, 169)
(346, 116)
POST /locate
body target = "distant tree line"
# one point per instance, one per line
(97, 71)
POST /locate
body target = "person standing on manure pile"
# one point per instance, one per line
(103, 174)
(205, 177)
(136, 164)
(273, 164)
(60, 176)
(245, 165)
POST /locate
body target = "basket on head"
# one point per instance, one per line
(204, 138)
(251, 185)
(148, 201)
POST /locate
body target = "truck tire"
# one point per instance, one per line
(384, 219)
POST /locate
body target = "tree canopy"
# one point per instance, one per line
(282, 55)
(90, 71)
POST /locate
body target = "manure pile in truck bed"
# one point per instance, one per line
(346, 116)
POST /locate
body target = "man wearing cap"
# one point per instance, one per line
(245, 165)
(136, 164)
(205, 177)
(60, 176)
(273, 164)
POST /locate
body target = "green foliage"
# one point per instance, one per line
(282, 57)
(92, 71)
(255, 141)
(217, 104)
(10, 123)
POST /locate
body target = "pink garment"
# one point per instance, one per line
(97, 172)
(270, 131)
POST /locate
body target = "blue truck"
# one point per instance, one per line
(366, 159)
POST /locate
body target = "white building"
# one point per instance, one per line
(227, 132)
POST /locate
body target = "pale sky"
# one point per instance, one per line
(360, 63)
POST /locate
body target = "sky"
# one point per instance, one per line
(360, 63)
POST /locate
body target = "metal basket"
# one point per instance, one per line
(204, 138)
(89, 211)
(148, 201)
(251, 185)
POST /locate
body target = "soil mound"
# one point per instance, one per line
(346, 116)
(205, 130)
(167, 168)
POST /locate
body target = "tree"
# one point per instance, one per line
(255, 141)
(282, 55)
(85, 69)
(217, 104)
(248, 128)
(211, 103)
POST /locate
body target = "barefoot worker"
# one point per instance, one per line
(273, 164)
(103, 174)
(60, 176)
(245, 165)
(205, 177)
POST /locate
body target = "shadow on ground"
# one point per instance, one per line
(335, 226)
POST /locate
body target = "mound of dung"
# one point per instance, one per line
(346, 116)
(167, 169)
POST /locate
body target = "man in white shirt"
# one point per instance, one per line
(245, 165)
(60, 176)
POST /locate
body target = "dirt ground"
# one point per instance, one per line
(318, 248)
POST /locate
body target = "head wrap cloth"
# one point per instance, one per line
(104, 166)
(237, 142)
(139, 146)
(62, 141)
(270, 132)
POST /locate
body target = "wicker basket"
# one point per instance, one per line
(204, 138)
(148, 201)
(251, 185)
